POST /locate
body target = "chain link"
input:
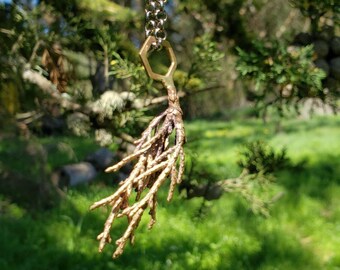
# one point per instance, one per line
(155, 16)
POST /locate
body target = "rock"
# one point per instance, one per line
(75, 174)
(303, 39)
(214, 192)
(101, 159)
(315, 106)
(335, 68)
(335, 46)
(322, 64)
(52, 125)
(321, 48)
(122, 176)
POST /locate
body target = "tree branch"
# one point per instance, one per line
(181, 94)
(7, 31)
(48, 88)
(241, 185)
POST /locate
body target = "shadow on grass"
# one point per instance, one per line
(282, 251)
(278, 247)
(64, 238)
(312, 179)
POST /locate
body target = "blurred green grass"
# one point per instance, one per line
(303, 231)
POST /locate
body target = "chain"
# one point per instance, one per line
(156, 17)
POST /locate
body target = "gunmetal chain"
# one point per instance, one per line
(156, 17)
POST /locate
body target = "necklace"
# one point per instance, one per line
(155, 16)
(157, 157)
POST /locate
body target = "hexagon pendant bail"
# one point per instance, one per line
(143, 53)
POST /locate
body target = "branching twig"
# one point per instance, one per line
(7, 32)
(157, 160)
(34, 51)
(242, 185)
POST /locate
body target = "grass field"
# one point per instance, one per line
(303, 231)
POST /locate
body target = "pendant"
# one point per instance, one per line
(157, 157)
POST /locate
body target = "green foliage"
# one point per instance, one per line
(206, 58)
(134, 74)
(222, 18)
(200, 73)
(282, 74)
(102, 10)
(258, 157)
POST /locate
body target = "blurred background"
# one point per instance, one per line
(259, 83)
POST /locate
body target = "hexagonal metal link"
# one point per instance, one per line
(144, 54)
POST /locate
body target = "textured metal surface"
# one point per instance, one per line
(155, 16)
(144, 53)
